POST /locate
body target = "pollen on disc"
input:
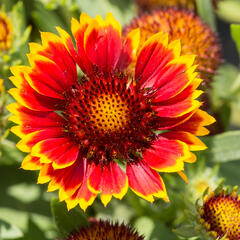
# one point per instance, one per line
(109, 112)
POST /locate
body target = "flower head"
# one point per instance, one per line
(196, 37)
(1, 85)
(220, 215)
(5, 32)
(148, 5)
(202, 178)
(99, 230)
(97, 134)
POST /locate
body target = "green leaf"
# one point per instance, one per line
(186, 231)
(67, 221)
(205, 11)
(18, 191)
(10, 154)
(235, 31)
(223, 147)
(9, 231)
(229, 10)
(226, 83)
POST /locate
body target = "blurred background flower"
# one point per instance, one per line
(196, 37)
(148, 5)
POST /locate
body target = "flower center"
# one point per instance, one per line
(109, 113)
(109, 118)
(222, 214)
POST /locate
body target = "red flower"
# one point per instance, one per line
(81, 132)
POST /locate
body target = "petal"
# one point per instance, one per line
(68, 179)
(102, 43)
(153, 56)
(176, 81)
(145, 182)
(56, 51)
(31, 121)
(179, 105)
(83, 196)
(112, 181)
(195, 124)
(194, 143)
(78, 31)
(31, 139)
(33, 100)
(129, 51)
(46, 77)
(62, 152)
(31, 163)
(167, 155)
(45, 174)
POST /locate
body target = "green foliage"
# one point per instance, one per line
(223, 147)
(67, 221)
(9, 231)
(235, 30)
(229, 10)
(205, 11)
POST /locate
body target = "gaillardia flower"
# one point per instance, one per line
(5, 32)
(196, 37)
(220, 215)
(1, 85)
(96, 134)
(99, 230)
(148, 5)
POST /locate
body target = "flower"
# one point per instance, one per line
(220, 215)
(5, 32)
(96, 134)
(196, 37)
(200, 179)
(105, 230)
(1, 84)
(148, 5)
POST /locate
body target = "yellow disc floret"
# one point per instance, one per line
(109, 113)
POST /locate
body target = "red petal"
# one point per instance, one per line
(35, 101)
(129, 50)
(55, 50)
(68, 179)
(152, 58)
(176, 78)
(103, 46)
(78, 31)
(83, 196)
(145, 182)
(167, 155)
(62, 152)
(195, 123)
(194, 143)
(31, 121)
(31, 139)
(110, 180)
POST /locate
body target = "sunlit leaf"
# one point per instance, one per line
(235, 31)
(205, 11)
(9, 231)
(223, 147)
